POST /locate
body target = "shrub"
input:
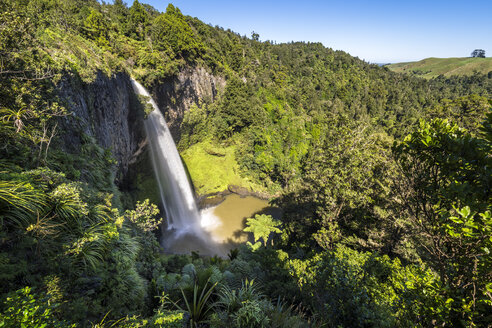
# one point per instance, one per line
(24, 309)
(168, 319)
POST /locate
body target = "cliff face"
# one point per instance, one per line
(176, 94)
(108, 111)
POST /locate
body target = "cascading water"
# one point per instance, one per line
(175, 190)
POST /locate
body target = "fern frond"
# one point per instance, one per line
(20, 203)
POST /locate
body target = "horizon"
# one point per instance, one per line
(379, 31)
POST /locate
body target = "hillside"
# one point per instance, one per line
(432, 67)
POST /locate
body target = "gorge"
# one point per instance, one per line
(188, 229)
(382, 179)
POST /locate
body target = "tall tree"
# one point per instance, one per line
(138, 21)
(446, 189)
(478, 53)
(170, 31)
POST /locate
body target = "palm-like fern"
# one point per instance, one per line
(88, 250)
(20, 203)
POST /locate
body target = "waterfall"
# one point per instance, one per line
(174, 187)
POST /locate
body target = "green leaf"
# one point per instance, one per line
(456, 220)
(465, 212)
(261, 226)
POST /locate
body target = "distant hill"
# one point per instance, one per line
(432, 67)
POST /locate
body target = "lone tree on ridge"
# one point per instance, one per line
(478, 53)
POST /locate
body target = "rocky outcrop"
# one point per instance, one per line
(215, 199)
(108, 111)
(177, 94)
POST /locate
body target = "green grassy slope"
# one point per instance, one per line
(432, 67)
(212, 168)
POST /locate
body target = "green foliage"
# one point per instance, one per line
(242, 307)
(250, 315)
(195, 126)
(20, 202)
(168, 319)
(24, 309)
(271, 159)
(170, 31)
(486, 130)
(247, 307)
(239, 108)
(138, 21)
(351, 289)
(343, 189)
(72, 232)
(445, 167)
(286, 316)
(96, 27)
(199, 306)
(468, 244)
(231, 300)
(144, 216)
(468, 112)
(268, 268)
(262, 226)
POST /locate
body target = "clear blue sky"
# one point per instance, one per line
(378, 31)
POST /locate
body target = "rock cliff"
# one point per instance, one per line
(178, 93)
(108, 110)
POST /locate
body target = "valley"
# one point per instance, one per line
(159, 171)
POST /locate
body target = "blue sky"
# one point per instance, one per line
(378, 31)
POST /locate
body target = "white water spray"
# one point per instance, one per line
(175, 190)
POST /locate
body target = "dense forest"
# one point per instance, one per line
(384, 181)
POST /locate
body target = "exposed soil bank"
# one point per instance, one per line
(215, 199)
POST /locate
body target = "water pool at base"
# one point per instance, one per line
(226, 221)
(224, 225)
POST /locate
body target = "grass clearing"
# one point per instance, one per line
(213, 168)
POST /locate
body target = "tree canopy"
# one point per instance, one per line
(478, 53)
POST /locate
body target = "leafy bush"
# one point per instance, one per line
(168, 319)
(247, 307)
(22, 308)
(144, 216)
(350, 289)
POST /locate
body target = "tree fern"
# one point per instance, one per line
(262, 226)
